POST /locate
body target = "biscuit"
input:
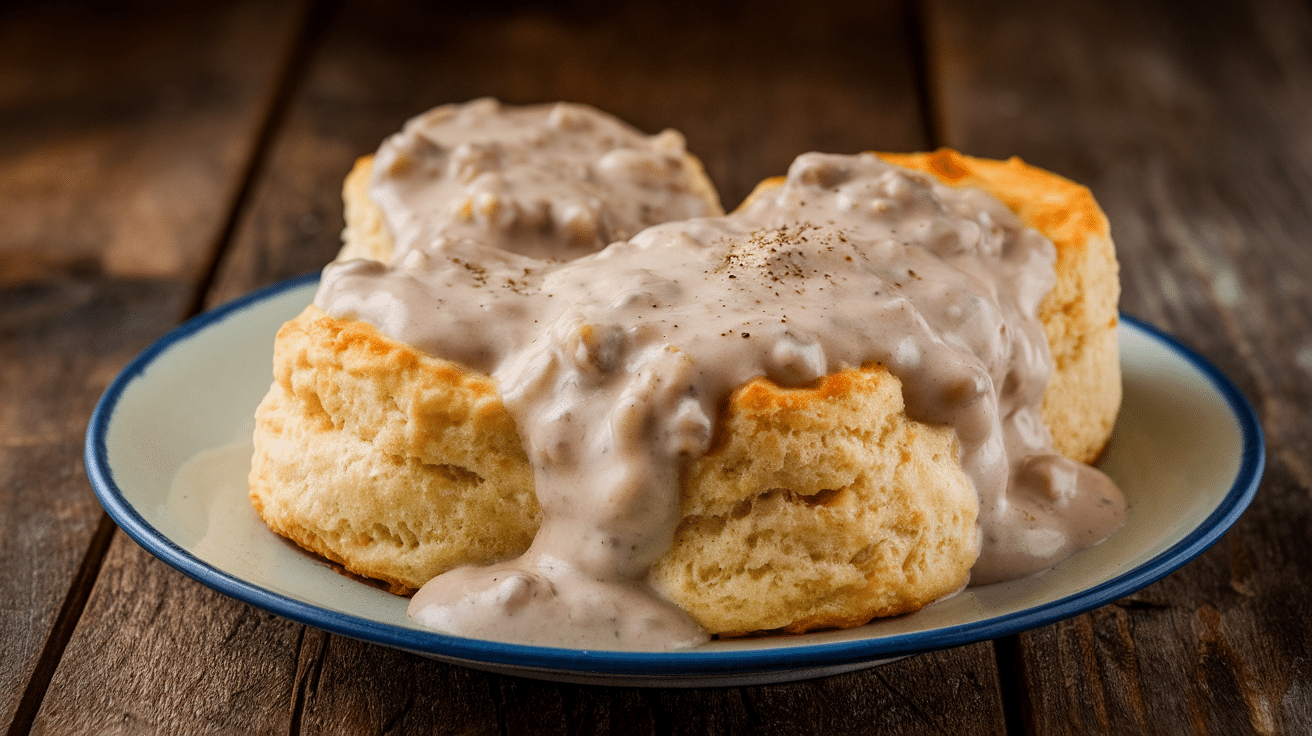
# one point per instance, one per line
(399, 466)
(1080, 313)
(657, 164)
(386, 461)
(822, 506)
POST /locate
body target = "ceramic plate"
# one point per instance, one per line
(1187, 452)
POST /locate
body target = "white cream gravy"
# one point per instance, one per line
(550, 181)
(613, 365)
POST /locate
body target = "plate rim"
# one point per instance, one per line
(688, 663)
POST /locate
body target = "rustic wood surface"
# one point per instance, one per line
(157, 159)
(123, 142)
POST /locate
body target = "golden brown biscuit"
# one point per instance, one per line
(366, 234)
(1080, 313)
(820, 507)
(816, 507)
(384, 460)
(554, 181)
(400, 466)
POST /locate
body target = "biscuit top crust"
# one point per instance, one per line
(1062, 209)
(552, 181)
(615, 364)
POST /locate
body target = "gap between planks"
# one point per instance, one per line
(916, 26)
(62, 632)
(313, 22)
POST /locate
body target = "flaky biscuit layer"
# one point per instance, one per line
(816, 507)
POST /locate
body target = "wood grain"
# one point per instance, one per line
(1190, 122)
(152, 655)
(126, 131)
(61, 342)
(352, 688)
(122, 140)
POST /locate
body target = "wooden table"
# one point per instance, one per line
(161, 159)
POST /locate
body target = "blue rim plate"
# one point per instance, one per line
(1187, 451)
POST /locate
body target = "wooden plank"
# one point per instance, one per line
(748, 100)
(123, 138)
(61, 342)
(151, 656)
(1191, 123)
(354, 688)
(117, 141)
